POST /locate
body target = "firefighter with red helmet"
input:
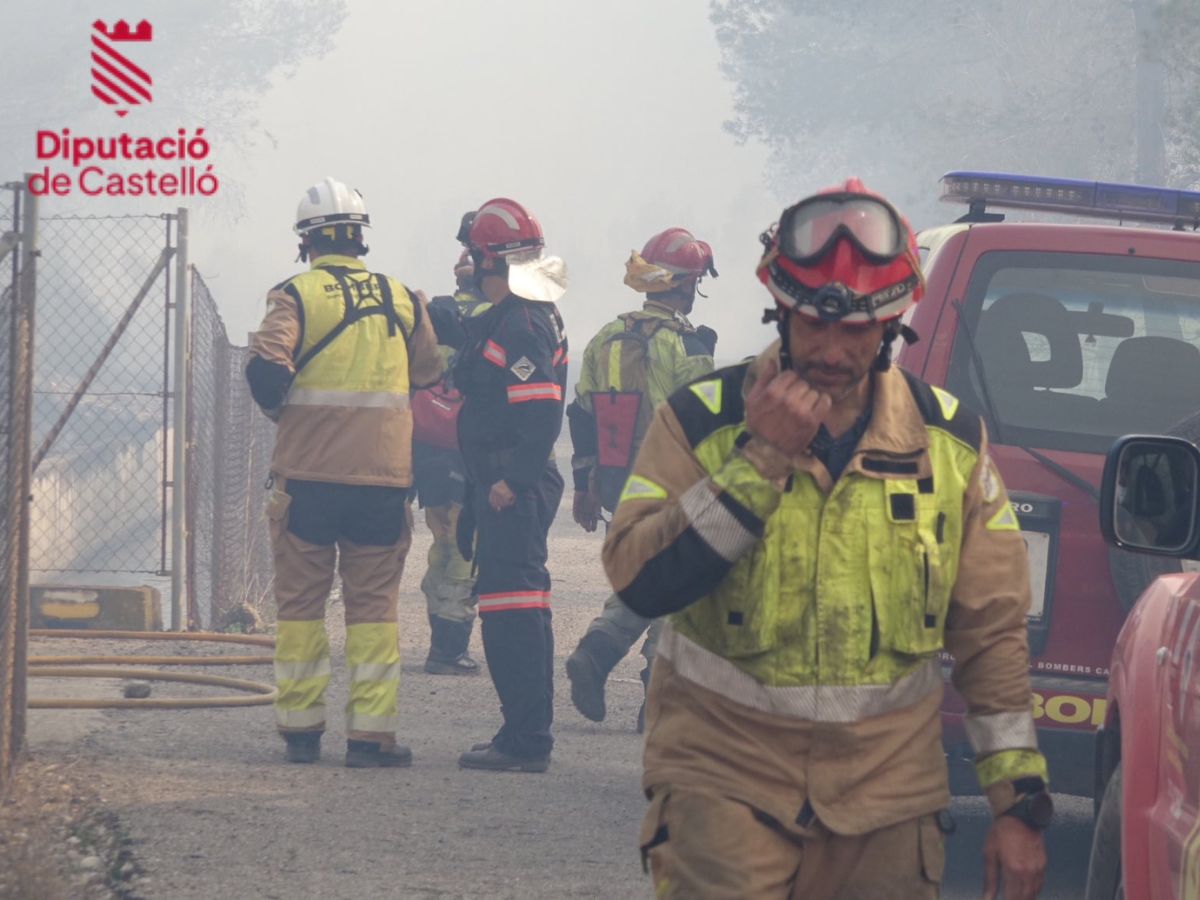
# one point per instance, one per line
(819, 526)
(333, 364)
(439, 477)
(631, 366)
(512, 373)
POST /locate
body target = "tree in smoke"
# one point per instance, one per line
(900, 92)
(1181, 38)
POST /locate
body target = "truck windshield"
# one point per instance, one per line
(1078, 349)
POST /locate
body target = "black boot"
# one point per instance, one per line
(448, 641)
(588, 668)
(303, 746)
(641, 726)
(486, 756)
(370, 755)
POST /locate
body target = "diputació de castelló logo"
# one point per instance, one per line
(116, 79)
(174, 163)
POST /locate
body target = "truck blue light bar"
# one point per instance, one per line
(1130, 202)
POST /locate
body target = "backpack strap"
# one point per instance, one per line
(352, 313)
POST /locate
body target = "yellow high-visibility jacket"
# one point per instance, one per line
(801, 660)
(346, 418)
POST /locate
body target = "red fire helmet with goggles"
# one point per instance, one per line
(843, 255)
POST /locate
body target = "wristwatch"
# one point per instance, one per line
(1034, 806)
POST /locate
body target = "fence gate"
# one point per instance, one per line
(102, 399)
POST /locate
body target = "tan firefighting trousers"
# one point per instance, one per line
(370, 591)
(702, 846)
(448, 585)
(625, 626)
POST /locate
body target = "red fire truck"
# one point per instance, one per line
(1064, 336)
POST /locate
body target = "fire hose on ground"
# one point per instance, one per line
(110, 667)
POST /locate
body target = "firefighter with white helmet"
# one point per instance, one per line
(819, 526)
(332, 363)
(512, 373)
(631, 366)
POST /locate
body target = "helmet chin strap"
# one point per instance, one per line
(781, 317)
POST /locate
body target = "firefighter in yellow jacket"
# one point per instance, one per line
(819, 526)
(333, 363)
(632, 364)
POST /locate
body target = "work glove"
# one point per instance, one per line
(585, 509)
(447, 325)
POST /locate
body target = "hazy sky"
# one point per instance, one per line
(604, 119)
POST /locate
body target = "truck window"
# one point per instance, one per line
(1078, 349)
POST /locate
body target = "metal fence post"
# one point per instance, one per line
(183, 348)
(22, 447)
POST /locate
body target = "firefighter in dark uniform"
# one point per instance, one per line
(513, 374)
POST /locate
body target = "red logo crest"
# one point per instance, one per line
(117, 80)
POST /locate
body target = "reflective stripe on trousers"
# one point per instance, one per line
(373, 657)
(301, 674)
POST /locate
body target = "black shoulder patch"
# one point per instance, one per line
(697, 416)
(693, 346)
(965, 424)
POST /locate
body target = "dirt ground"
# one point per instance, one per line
(210, 809)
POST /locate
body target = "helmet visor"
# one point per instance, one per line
(808, 231)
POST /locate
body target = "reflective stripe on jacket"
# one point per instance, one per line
(346, 418)
(826, 604)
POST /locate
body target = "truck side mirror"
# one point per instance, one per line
(1149, 496)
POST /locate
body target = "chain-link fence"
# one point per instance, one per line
(17, 226)
(104, 417)
(90, 409)
(102, 396)
(230, 442)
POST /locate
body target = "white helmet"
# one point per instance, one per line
(329, 202)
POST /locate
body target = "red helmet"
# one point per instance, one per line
(504, 229)
(678, 251)
(843, 254)
(501, 227)
(670, 260)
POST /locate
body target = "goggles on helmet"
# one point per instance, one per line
(811, 228)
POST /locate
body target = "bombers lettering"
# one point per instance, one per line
(187, 181)
(78, 150)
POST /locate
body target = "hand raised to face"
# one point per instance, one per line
(784, 410)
